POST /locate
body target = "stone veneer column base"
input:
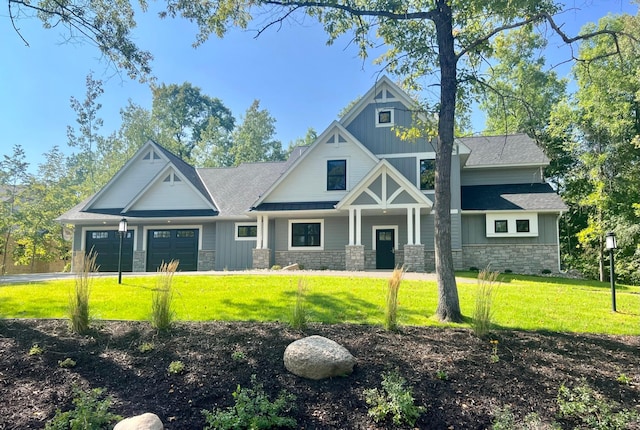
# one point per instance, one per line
(414, 258)
(354, 258)
(139, 261)
(206, 259)
(261, 258)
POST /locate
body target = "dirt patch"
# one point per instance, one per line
(529, 370)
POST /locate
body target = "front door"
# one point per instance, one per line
(385, 256)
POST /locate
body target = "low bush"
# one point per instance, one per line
(299, 312)
(79, 298)
(391, 303)
(252, 410)
(90, 412)
(482, 313)
(395, 400)
(162, 313)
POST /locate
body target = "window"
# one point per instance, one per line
(427, 174)
(185, 234)
(305, 234)
(384, 117)
(522, 225)
(336, 175)
(501, 226)
(99, 235)
(161, 234)
(246, 231)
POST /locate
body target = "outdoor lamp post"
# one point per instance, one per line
(610, 241)
(122, 230)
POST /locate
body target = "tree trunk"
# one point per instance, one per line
(448, 302)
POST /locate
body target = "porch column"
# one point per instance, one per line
(352, 231)
(259, 233)
(409, 226)
(358, 226)
(265, 232)
(418, 227)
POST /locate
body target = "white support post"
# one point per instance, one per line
(265, 232)
(259, 233)
(418, 231)
(358, 226)
(409, 226)
(352, 231)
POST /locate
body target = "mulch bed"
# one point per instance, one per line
(530, 369)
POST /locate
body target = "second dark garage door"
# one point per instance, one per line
(166, 245)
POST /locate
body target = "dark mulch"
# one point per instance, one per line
(531, 368)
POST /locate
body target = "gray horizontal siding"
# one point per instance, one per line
(474, 232)
(527, 175)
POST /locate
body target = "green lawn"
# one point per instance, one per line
(521, 302)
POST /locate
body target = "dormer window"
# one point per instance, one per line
(171, 178)
(384, 117)
(151, 155)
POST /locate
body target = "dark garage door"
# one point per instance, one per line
(167, 245)
(106, 244)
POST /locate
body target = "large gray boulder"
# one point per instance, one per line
(316, 357)
(146, 421)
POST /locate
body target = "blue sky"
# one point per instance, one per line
(295, 75)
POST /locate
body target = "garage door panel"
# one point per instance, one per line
(166, 245)
(106, 245)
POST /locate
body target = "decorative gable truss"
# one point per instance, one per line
(384, 190)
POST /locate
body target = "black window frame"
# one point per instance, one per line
(388, 114)
(250, 231)
(523, 222)
(501, 222)
(336, 181)
(305, 231)
(431, 184)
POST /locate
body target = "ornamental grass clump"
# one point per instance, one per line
(483, 314)
(78, 311)
(299, 312)
(162, 314)
(391, 304)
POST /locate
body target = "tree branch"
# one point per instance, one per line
(355, 11)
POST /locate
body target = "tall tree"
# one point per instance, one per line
(183, 113)
(253, 139)
(13, 178)
(443, 38)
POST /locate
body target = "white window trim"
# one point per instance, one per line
(244, 224)
(385, 124)
(83, 241)
(305, 248)
(169, 226)
(511, 218)
(396, 240)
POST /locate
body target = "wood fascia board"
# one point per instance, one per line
(120, 172)
(334, 124)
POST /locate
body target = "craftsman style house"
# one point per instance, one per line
(358, 198)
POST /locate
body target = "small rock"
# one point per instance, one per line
(316, 357)
(146, 421)
(294, 266)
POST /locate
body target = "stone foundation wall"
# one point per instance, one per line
(314, 260)
(262, 258)
(354, 257)
(518, 258)
(370, 259)
(206, 259)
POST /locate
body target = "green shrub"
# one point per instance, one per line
(391, 303)
(252, 410)
(90, 412)
(590, 410)
(395, 400)
(175, 367)
(299, 313)
(505, 420)
(146, 347)
(482, 313)
(276, 267)
(36, 350)
(78, 311)
(67, 363)
(162, 313)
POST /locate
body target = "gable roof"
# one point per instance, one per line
(503, 151)
(533, 197)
